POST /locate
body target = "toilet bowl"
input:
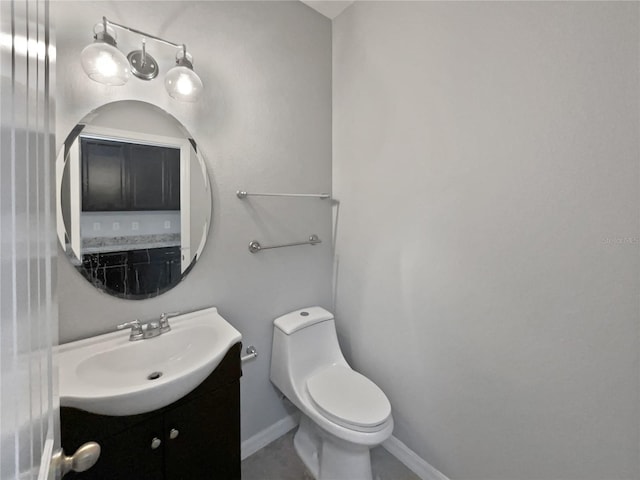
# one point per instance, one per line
(343, 413)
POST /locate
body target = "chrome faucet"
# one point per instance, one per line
(164, 321)
(136, 329)
(151, 329)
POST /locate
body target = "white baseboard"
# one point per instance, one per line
(412, 460)
(268, 435)
(394, 446)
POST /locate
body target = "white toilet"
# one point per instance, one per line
(343, 413)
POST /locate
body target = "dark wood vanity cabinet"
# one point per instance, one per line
(195, 438)
(121, 176)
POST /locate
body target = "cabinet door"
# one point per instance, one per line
(147, 177)
(127, 455)
(154, 175)
(207, 445)
(172, 178)
(153, 270)
(103, 176)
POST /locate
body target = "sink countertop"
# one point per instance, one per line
(129, 242)
(109, 375)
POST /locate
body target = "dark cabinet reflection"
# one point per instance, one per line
(129, 177)
(121, 176)
(134, 273)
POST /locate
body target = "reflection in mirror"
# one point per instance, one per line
(134, 200)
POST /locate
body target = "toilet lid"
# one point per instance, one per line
(348, 398)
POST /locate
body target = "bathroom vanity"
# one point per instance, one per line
(194, 438)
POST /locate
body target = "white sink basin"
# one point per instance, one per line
(110, 375)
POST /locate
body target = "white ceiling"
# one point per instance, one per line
(329, 8)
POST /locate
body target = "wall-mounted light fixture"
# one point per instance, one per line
(104, 63)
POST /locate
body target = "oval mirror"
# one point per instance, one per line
(134, 199)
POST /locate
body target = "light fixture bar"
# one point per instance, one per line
(146, 35)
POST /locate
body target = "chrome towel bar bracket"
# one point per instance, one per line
(242, 194)
(255, 247)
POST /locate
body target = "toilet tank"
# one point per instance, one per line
(304, 341)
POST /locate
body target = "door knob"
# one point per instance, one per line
(82, 460)
(173, 434)
(155, 443)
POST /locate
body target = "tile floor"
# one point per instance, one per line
(279, 461)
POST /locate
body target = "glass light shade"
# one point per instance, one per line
(105, 64)
(182, 83)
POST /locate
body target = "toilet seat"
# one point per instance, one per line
(348, 398)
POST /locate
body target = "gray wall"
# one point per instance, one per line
(263, 124)
(486, 160)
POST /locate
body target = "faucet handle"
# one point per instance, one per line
(136, 329)
(164, 321)
(134, 324)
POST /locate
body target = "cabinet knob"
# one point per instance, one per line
(155, 443)
(173, 434)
